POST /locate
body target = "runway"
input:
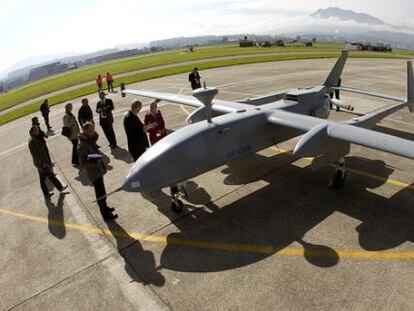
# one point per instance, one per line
(260, 233)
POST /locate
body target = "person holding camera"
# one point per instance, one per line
(91, 161)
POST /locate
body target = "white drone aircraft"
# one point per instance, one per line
(221, 131)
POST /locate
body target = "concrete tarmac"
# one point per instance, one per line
(260, 233)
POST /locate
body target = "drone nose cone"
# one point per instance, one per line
(145, 174)
(135, 180)
(131, 185)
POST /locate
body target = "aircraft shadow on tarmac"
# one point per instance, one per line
(282, 212)
(394, 132)
(56, 223)
(139, 263)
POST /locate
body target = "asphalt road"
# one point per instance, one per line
(261, 233)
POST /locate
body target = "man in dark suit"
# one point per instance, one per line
(85, 112)
(44, 109)
(194, 78)
(104, 108)
(135, 131)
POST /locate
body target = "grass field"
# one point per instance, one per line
(178, 57)
(89, 73)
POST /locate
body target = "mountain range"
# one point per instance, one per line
(346, 15)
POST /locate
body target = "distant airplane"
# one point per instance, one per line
(234, 129)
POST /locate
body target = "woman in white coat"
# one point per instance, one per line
(70, 122)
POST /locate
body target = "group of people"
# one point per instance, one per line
(81, 132)
(109, 82)
(85, 149)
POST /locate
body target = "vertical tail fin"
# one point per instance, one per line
(410, 85)
(335, 74)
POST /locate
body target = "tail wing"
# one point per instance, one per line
(333, 78)
(410, 85)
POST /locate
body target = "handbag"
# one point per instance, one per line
(66, 131)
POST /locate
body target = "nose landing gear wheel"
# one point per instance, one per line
(338, 180)
(177, 206)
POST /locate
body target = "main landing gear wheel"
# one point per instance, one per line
(176, 204)
(338, 180)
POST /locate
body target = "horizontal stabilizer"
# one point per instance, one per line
(368, 93)
(370, 119)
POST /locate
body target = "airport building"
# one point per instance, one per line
(120, 54)
(46, 70)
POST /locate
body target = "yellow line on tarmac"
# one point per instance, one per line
(185, 110)
(182, 106)
(313, 251)
(389, 181)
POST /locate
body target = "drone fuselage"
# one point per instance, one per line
(202, 146)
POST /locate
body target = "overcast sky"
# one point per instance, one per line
(42, 27)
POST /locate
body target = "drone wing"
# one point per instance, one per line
(319, 132)
(221, 106)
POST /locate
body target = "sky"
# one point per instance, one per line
(32, 28)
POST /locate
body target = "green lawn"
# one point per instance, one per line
(89, 73)
(204, 54)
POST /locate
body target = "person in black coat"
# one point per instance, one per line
(41, 160)
(42, 136)
(85, 112)
(44, 109)
(194, 78)
(104, 108)
(135, 131)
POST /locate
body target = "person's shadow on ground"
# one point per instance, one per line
(198, 195)
(139, 263)
(106, 160)
(56, 223)
(122, 154)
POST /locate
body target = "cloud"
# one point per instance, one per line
(46, 26)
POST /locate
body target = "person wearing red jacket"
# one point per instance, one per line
(155, 116)
(156, 133)
(110, 82)
(99, 83)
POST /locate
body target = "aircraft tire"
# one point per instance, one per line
(338, 180)
(177, 207)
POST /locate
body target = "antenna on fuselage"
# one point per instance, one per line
(206, 96)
